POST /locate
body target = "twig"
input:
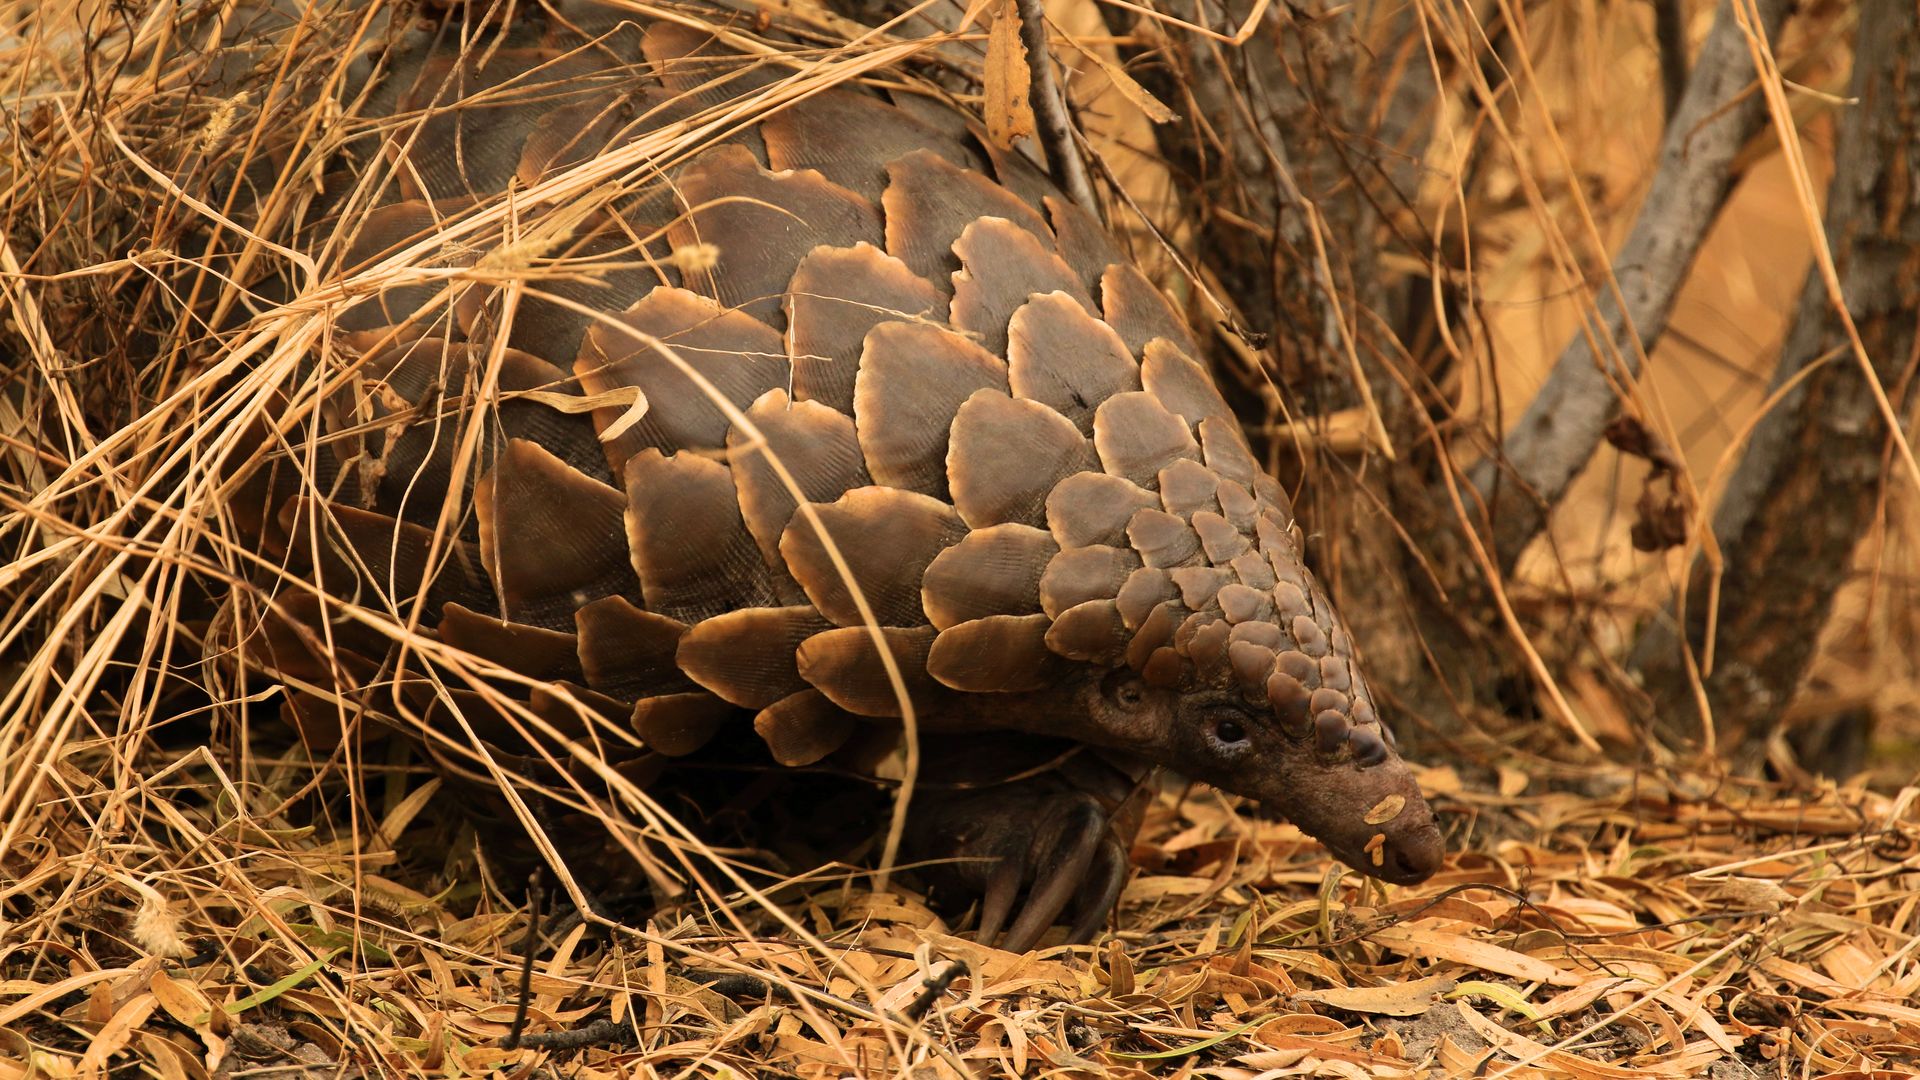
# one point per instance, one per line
(599, 1032)
(536, 902)
(733, 984)
(739, 984)
(935, 986)
(1050, 111)
(1560, 429)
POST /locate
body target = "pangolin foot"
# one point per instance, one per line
(1032, 848)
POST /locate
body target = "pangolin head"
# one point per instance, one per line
(1222, 657)
(1259, 694)
(1278, 670)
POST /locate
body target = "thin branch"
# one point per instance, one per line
(602, 1032)
(1050, 111)
(931, 990)
(1670, 34)
(1560, 429)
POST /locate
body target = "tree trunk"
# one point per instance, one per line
(1809, 483)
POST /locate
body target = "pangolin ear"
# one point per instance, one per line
(1120, 709)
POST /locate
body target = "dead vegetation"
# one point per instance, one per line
(188, 888)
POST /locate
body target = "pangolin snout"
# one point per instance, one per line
(1373, 819)
(1413, 855)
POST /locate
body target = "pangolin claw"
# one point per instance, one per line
(1032, 850)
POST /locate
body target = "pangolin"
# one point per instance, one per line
(748, 369)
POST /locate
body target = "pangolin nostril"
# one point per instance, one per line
(1417, 856)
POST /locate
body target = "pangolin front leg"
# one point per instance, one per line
(1034, 828)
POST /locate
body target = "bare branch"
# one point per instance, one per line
(1557, 434)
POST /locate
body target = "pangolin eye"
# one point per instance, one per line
(1229, 730)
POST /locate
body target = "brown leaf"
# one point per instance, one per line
(1008, 105)
(1140, 97)
(1661, 518)
(182, 1000)
(1409, 998)
(1474, 953)
(1386, 810)
(1629, 436)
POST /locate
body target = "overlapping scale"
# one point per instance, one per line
(855, 141)
(1063, 357)
(996, 654)
(1188, 487)
(738, 356)
(611, 260)
(502, 98)
(757, 226)
(687, 541)
(804, 727)
(1094, 508)
(993, 571)
(748, 656)
(705, 76)
(836, 297)
(845, 665)
(380, 561)
(628, 652)
(812, 444)
(1092, 632)
(1001, 266)
(679, 724)
(1078, 575)
(383, 233)
(1138, 311)
(1006, 456)
(1082, 242)
(930, 204)
(913, 379)
(1137, 437)
(550, 536)
(884, 539)
(533, 651)
(1183, 387)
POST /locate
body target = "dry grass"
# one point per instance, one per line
(186, 889)
(1642, 930)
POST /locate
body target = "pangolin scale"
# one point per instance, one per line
(852, 376)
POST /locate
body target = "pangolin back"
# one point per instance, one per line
(692, 424)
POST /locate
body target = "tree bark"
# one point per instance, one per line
(1259, 144)
(1809, 483)
(1557, 434)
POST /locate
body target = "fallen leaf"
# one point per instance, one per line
(1409, 998)
(1386, 809)
(1008, 105)
(1503, 996)
(1155, 109)
(1476, 954)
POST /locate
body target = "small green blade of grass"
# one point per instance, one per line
(1193, 1047)
(280, 986)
